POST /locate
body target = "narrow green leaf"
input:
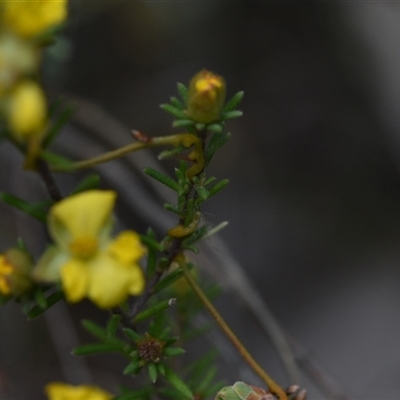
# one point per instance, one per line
(217, 140)
(50, 300)
(131, 334)
(173, 351)
(161, 369)
(90, 182)
(95, 348)
(152, 369)
(172, 277)
(177, 103)
(231, 114)
(169, 153)
(40, 299)
(234, 102)
(176, 112)
(35, 210)
(172, 208)
(183, 123)
(112, 324)
(59, 123)
(218, 187)
(166, 180)
(177, 382)
(155, 309)
(94, 329)
(203, 193)
(216, 128)
(150, 242)
(132, 368)
(196, 235)
(57, 161)
(183, 92)
(206, 380)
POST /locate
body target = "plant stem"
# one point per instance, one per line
(272, 385)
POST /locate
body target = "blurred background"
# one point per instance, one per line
(313, 202)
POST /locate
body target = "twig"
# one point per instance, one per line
(272, 385)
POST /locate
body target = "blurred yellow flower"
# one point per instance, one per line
(85, 258)
(28, 18)
(206, 97)
(15, 268)
(27, 113)
(62, 391)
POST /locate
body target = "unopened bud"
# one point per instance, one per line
(206, 97)
(15, 267)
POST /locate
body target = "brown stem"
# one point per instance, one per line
(272, 385)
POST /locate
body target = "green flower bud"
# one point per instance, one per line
(206, 97)
(243, 391)
(15, 268)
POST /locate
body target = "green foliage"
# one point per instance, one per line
(36, 210)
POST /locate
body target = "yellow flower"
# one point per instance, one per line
(206, 97)
(27, 110)
(62, 391)
(17, 58)
(85, 258)
(15, 268)
(28, 18)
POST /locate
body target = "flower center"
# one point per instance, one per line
(5, 270)
(83, 247)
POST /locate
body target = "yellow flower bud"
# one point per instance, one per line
(62, 391)
(206, 97)
(17, 57)
(29, 18)
(15, 268)
(27, 110)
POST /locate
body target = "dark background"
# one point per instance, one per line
(313, 200)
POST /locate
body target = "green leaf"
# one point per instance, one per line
(131, 334)
(234, 102)
(172, 277)
(95, 348)
(183, 123)
(176, 112)
(169, 153)
(231, 114)
(132, 368)
(50, 301)
(155, 309)
(112, 324)
(90, 182)
(152, 370)
(173, 351)
(151, 242)
(206, 380)
(217, 140)
(57, 161)
(166, 180)
(183, 92)
(35, 210)
(177, 382)
(216, 128)
(218, 187)
(59, 123)
(172, 208)
(40, 299)
(177, 103)
(95, 329)
(195, 236)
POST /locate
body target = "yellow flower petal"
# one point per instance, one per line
(127, 247)
(111, 282)
(62, 391)
(29, 18)
(75, 276)
(83, 215)
(27, 110)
